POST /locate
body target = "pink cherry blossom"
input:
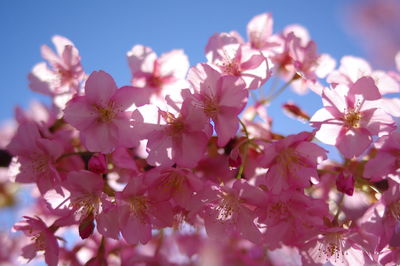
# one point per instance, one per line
(227, 55)
(106, 220)
(65, 75)
(98, 164)
(230, 210)
(259, 32)
(37, 157)
(43, 239)
(353, 68)
(179, 139)
(383, 217)
(139, 212)
(174, 183)
(345, 183)
(291, 162)
(100, 115)
(351, 116)
(339, 246)
(221, 98)
(291, 218)
(299, 62)
(386, 160)
(86, 190)
(159, 76)
(125, 165)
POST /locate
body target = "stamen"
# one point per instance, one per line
(332, 246)
(226, 208)
(106, 114)
(139, 206)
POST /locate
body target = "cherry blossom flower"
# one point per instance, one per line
(351, 116)
(221, 98)
(296, 60)
(227, 55)
(230, 210)
(291, 162)
(383, 217)
(386, 160)
(43, 239)
(339, 246)
(180, 139)
(174, 183)
(85, 190)
(37, 157)
(65, 75)
(138, 212)
(160, 76)
(291, 218)
(353, 68)
(124, 165)
(100, 115)
(259, 32)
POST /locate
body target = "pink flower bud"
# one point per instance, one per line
(98, 163)
(345, 183)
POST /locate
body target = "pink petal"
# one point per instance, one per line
(127, 137)
(253, 62)
(106, 224)
(379, 166)
(326, 64)
(83, 182)
(311, 151)
(126, 96)
(335, 98)
(159, 149)
(51, 250)
(162, 211)
(385, 83)
(141, 59)
(354, 67)
(50, 56)
(366, 87)
(29, 251)
(41, 79)
(174, 63)
(60, 42)
(247, 228)
(260, 28)
(353, 142)
(100, 137)
(391, 106)
(232, 93)
(99, 88)
(189, 149)
(52, 148)
(328, 133)
(226, 125)
(24, 141)
(203, 79)
(80, 114)
(298, 31)
(217, 43)
(135, 231)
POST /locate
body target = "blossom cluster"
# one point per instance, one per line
(182, 166)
